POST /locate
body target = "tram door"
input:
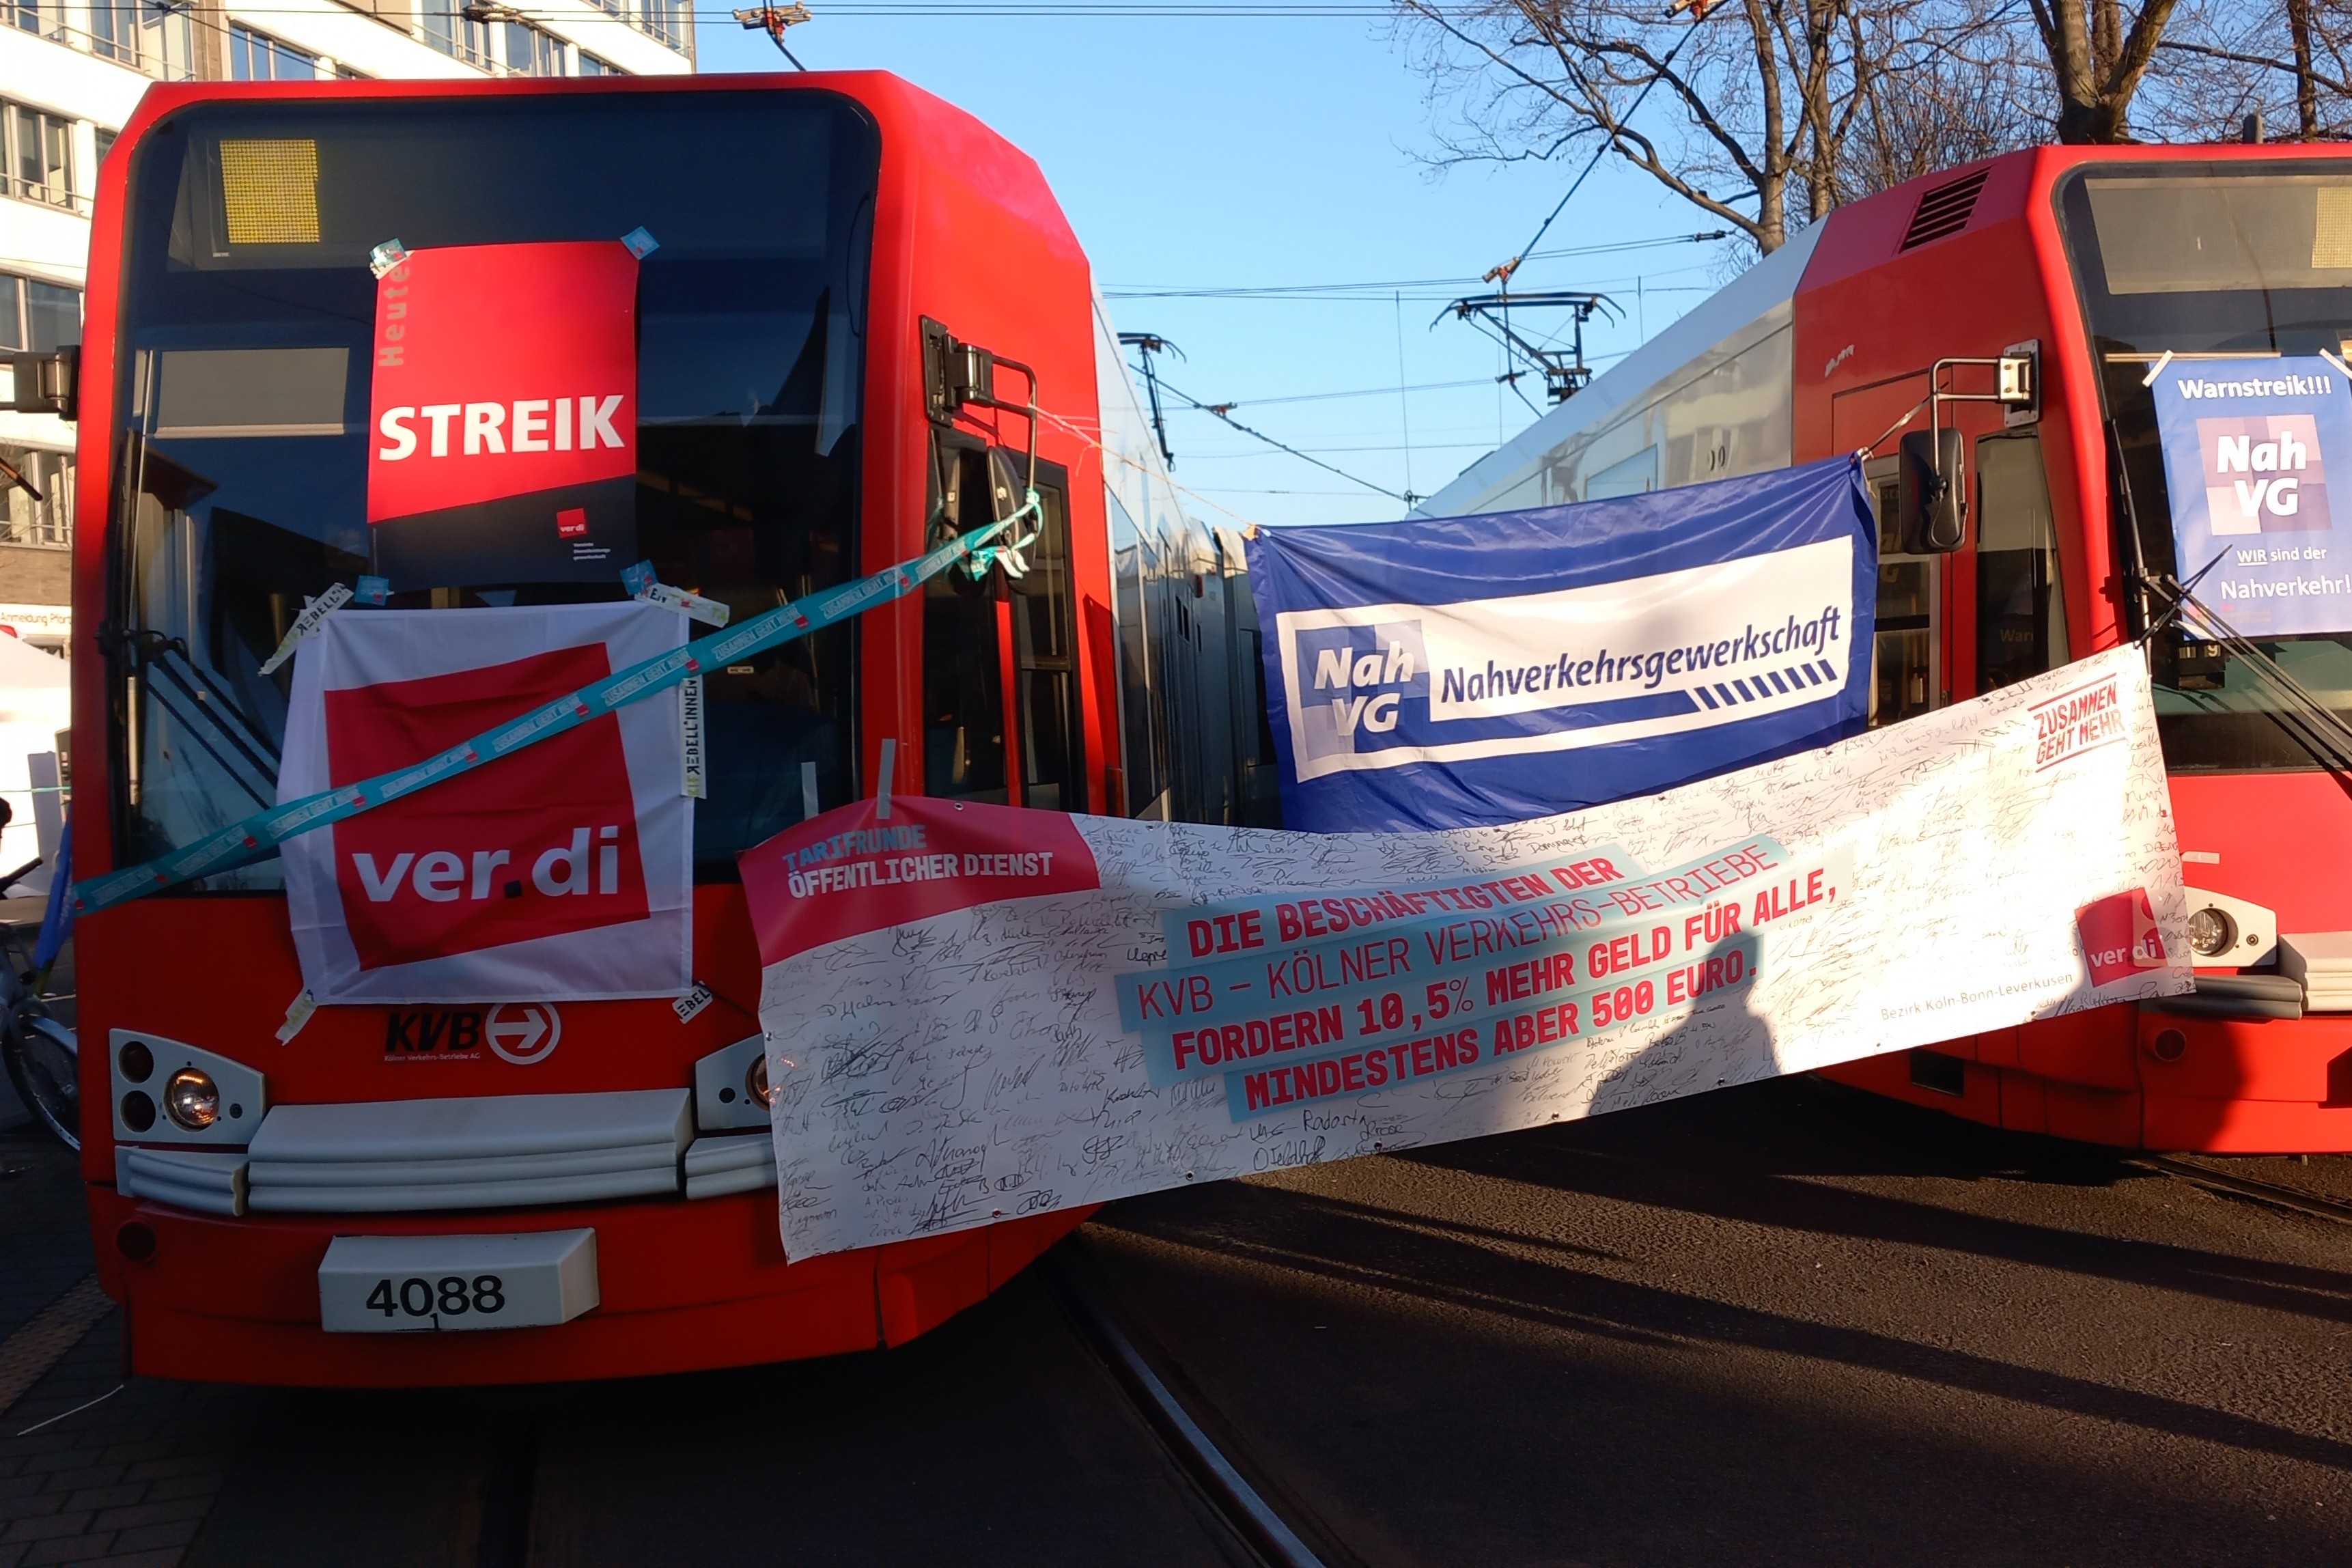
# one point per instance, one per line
(1001, 716)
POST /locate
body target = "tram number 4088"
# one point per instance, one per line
(450, 1296)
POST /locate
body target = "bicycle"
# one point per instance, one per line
(40, 1054)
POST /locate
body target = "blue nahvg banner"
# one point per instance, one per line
(2248, 446)
(1450, 672)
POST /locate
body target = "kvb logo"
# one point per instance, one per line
(538, 844)
(2119, 936)
(2263, 474)
(1353, 682)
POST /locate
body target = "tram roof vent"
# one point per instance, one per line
(1944, 210)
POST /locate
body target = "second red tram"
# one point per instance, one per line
(2094, 265)
(828, 249)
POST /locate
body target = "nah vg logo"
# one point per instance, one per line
(538, 844)
(2119, 936)
(1354, 683)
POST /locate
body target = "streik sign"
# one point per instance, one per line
(2248, 444)
(1458, 671)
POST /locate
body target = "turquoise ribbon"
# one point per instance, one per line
(259, 836)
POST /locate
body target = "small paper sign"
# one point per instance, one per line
(689, 714)
(692, 1002)
(313, 614)
(297, 1014)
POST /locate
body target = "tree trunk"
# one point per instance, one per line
(2307, 91)
(1772, 168)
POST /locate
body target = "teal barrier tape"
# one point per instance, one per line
(259, 836)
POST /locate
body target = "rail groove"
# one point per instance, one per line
(2273, 1192)
(1245, 1510)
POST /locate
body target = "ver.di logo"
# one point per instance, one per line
(2119, 936)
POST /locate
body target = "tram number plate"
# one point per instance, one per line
(428, 1284)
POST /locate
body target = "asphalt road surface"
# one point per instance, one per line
(1783, 1324)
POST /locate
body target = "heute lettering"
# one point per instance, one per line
(442, 877)
(495, 429)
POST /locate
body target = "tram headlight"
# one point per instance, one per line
(2212, 933)
(191, 1100)
(755, 1082)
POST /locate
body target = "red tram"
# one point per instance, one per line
(841, 260)
(2096, 264)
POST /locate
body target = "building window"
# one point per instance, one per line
(105, 140)
(530, 52)
(345, 73)
(114, 32)
(591, 66)
(447, 30)
(26, 14)
(40, 155)
(153, 36)
(666, 20)
(37, 316)
(48, 521)
(257, 56)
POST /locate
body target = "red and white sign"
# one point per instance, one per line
(562, 871)
(501, 370)
(2120, 938)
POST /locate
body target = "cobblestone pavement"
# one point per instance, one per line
(128, 1481)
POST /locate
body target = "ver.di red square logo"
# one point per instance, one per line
(538, 844)
(572, 522)
(2119, 936)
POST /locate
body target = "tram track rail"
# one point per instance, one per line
(1227, 1485)
(2276, 1194)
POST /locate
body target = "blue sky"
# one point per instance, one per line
(1205, 152)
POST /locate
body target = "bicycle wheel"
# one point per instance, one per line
(41, 1062)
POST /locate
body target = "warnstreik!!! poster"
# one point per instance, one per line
(974, 1012)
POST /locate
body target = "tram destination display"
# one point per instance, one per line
(974, 1012)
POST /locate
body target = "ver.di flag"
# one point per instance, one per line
(974, 1012)
(1445, 671)
(564, 870)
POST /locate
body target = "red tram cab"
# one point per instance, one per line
(836, 264)
(2095, 266)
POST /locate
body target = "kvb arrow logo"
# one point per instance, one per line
(524, 1032)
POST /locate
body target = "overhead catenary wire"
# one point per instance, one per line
(1224, 411)
(1212, 291)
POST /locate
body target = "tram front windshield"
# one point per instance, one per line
(2213, 259)
(246, 349)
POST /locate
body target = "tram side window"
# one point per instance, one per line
(963, 676)
(1135, 573)
(2020, 608)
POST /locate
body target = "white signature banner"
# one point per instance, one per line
(974, 1012)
